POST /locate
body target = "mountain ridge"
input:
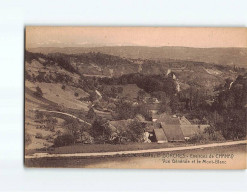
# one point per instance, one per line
(231, 56)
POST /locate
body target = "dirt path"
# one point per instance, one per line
(64, 113)
(47, 155)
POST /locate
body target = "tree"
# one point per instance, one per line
(64, 140)
(86, 138)
(233, 126)
(135, 132)
(124, 110)
(99, 131)
(174, 104)
(91, 114)
(38, 92)
(39, 115)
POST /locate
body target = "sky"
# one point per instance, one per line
(135, 36)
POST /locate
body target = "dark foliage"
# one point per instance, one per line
(135, 132)
(64, 140)
(38, 92)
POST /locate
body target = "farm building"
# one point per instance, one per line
(175, 128)
(191, 130)
(160, 136)
(165, 128)
(172, 132)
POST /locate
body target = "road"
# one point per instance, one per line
(64, 113)
(47, 155)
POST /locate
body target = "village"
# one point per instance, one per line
(162, 127)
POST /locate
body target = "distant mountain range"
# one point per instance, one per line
(223, 56)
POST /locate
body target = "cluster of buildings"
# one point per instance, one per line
(163, 128)
(167, 128)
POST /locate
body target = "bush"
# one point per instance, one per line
(100, 133)
(76, 94)
(233, 126)
(49, 138)
(63, 87)
(50, 123)
(38, 92)
(136, 131)
(39, 115)
(86, 138)
(38, 136)
(64, 140)
(91, 114)
(208, 135)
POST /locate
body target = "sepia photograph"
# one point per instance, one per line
(135, 97)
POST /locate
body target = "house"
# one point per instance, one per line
(172, 132)
(191, 130)
(167, 119)
(176, 128)
(160, 135)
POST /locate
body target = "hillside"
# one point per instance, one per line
(224, 56)
(90, 85)
(200, 74)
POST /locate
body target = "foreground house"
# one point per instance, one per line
(174, 128)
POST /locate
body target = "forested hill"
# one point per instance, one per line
(189, 73)
(224, 56)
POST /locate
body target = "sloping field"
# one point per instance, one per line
(53, 96)
(66, 97)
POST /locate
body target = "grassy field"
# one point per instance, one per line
(154, 160)
(85, 148)
(91, 148)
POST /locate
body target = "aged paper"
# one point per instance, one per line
(135, 97)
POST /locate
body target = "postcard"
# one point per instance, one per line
(135, 97)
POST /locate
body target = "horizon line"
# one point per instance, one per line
(133, 46)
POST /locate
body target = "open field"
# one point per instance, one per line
(85, 148)
(150, 160)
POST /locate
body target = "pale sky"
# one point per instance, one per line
(135, 36)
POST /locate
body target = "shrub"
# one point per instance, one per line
(49, 138)
(64, 140)
(86, 138)
(208, 135)
(135, 131)
(76, 94)
(91, 114)
(38, 92)
(233, 126)
(50, 123)
(100, 133)
(38, 136)
(50, 127)
(39, 115)
(63, 87)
